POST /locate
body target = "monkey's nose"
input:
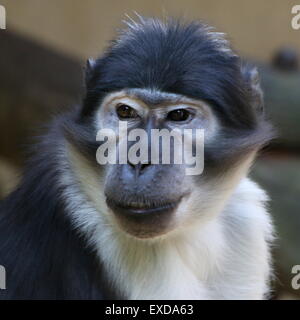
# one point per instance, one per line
(139, 168)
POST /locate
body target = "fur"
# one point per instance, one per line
(226, 257)
(59, 239)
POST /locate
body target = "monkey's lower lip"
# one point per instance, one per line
(141, 211)
(144, 222)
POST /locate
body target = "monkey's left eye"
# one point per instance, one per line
(179, 115)
(126, 112)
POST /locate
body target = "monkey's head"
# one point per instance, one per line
(167, 76)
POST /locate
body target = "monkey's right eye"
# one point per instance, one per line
(126, 112)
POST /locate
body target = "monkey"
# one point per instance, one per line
(75, 229)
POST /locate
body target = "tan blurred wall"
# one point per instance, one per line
(82, 28)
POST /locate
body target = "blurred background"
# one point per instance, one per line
(43, 51)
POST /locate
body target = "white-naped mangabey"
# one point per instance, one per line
(74, 229)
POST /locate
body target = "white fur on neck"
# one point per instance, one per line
(224, 258)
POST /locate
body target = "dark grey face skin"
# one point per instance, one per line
(141, 198)
(149, 200)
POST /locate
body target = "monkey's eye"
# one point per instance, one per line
(178, 115)
(126, 112)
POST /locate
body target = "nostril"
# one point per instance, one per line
(139, 167)
(144, 165)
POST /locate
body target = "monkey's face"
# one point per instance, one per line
(146, 199)
(168, 77)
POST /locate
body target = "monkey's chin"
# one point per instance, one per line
(146, 222)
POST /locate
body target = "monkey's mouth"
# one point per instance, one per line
(144, 220)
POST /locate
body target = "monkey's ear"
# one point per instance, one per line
(90, 65)
(251, 76)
